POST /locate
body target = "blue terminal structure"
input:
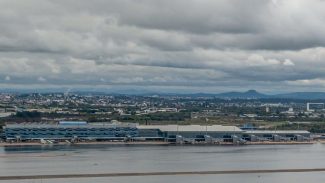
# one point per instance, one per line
(65, 130)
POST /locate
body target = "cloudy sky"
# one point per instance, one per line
(273, 46)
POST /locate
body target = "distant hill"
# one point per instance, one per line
(247, 94)
(253, 94)
(301, 95)
(250, 94)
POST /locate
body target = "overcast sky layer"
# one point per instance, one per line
(172, 45)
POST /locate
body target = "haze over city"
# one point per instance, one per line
(180, 46)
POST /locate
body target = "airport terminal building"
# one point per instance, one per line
(66, 130)
(81, 130)
(189, 132)
(276, 135)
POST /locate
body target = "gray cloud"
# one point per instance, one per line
(177, 45)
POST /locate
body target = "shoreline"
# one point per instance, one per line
(4, 144)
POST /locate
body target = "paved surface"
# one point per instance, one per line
(158, 173)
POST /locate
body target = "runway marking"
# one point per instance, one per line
(218, 172)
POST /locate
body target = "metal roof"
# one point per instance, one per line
(191, 128)
(72, 122)
(70, 125)
(277, 131)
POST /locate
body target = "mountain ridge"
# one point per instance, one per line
(249, 94)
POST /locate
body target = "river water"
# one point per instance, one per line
(38, 160)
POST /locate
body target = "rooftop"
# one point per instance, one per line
(277, 131)
(68, 124)
(189, 128)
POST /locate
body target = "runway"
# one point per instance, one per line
(219, 172)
